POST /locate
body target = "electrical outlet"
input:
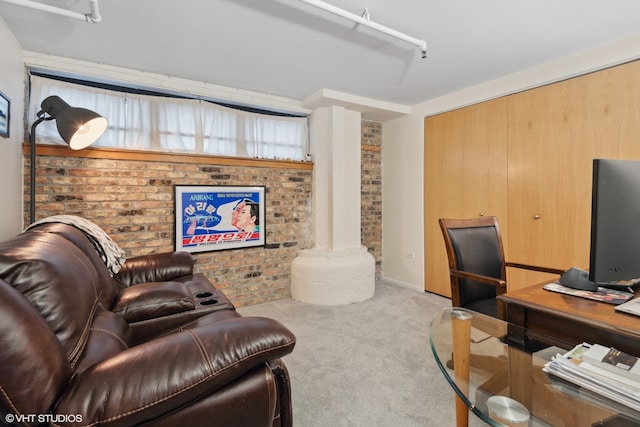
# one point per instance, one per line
(411, 255)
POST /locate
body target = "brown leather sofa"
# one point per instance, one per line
(154, 344)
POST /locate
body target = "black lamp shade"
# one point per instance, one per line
(78, 127)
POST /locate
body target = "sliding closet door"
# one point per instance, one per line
(555, 132)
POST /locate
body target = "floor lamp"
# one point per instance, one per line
(78, 127)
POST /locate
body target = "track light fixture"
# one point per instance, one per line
(93, 17)
(366, 21)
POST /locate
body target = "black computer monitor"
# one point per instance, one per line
(615, 221)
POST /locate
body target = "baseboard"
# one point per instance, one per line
(401, 284)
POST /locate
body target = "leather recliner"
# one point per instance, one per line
(154, 344)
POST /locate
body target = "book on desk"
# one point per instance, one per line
(620, 364)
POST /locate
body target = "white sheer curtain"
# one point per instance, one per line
(267, 138)
(168, 124)
(220, 129)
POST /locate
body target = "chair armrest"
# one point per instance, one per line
(534, 268)
(500, 284)
(152, 300)
(163, 375)
(155, 268)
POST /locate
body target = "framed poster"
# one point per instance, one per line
(5, 106)
(213, 218)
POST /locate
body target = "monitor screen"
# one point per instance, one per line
(615, 221)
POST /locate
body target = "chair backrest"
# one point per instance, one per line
(59, 280)
(34, 369)
(473, 246)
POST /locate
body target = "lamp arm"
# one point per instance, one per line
(32, 167)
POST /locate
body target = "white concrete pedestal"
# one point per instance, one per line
(329, 277)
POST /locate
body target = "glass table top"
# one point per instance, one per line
(505, 383)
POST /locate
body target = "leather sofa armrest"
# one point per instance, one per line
(152, 300)
(162, 375)
(155, 268)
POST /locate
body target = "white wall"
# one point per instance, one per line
(12, 85)
(403, 154)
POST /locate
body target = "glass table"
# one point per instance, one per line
(500, 379)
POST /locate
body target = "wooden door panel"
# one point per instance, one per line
(465, 176)
(546, 176)
(555, 132)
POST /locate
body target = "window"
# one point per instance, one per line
(174, 124)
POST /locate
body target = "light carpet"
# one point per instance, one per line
(365, 364)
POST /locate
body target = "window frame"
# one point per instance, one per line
(244, 114)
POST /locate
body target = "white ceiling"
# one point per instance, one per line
(291, 49)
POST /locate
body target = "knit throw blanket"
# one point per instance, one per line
(109, 251)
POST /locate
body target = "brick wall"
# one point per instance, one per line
(371, 191)
(133, 201)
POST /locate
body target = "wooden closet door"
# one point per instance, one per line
(465, 176)
(555, 132)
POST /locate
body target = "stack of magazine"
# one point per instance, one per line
(611, 296)
(602, 370)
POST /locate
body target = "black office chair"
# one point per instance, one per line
(478, 272)
(477, 266)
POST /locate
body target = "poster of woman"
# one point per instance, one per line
(211, 218)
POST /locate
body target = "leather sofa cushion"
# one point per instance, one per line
(104, 281)
(33, 366)
(152, 300)
(58, 280)
(162, 375)
(228, 405)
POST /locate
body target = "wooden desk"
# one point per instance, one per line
(565, 320)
